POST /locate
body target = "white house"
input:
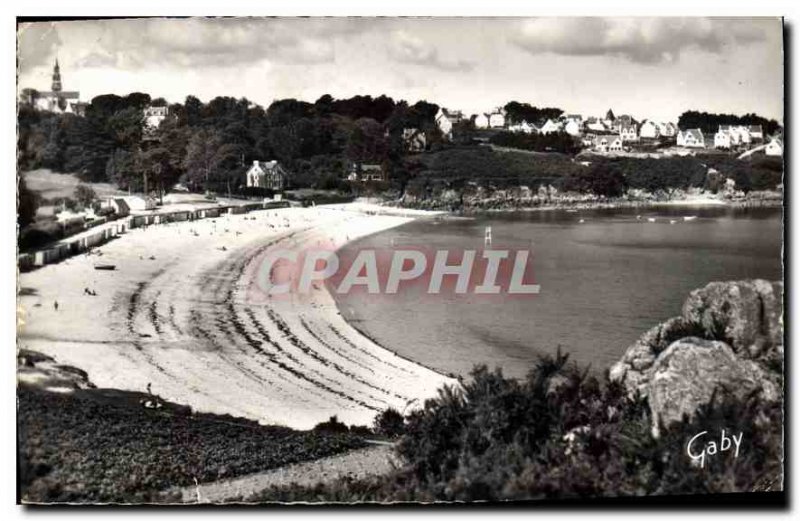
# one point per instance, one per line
(573, 117)
(267, 174)
(445, 119)
(481, 121)
(722, 139)
(667, 129)
(118, 204)
(743, 134)
(153, 116)
(649, 130)
(524, 127)
(573, 127)
(627, 132)
(414, 139)
(551, 126)
(774, 147)
(135, 202)
(692, 138)
(608, 143)
(756, 132)
(623, 120)
(595, 125)
(363, 172)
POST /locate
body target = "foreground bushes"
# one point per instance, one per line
(559, 433)
(88, 448)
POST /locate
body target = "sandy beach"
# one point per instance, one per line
(177, 314)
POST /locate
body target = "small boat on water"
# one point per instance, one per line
(651, 219)
(582, 221)
(672, 221)
(108, 267)
(689, 217)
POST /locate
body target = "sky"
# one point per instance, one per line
(652, 68)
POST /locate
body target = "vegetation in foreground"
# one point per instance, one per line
(103, 446)
(559, 433)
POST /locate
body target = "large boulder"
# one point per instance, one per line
(688, 374)
(746, 314)
(633, 369)
(729, 337)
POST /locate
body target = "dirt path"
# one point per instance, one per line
(371, 461)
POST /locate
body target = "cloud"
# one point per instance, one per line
(407, 48)
(203, 42)
(37, 44)
(640, 40)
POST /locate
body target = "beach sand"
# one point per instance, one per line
(179, 314)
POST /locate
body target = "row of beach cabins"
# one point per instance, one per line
(106, 230)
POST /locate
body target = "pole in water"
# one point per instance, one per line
(487, 236)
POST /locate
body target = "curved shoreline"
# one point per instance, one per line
(506, 207)
(179, 316)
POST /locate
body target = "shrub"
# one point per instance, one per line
(333, 425)
(559, 433)
(389, 423)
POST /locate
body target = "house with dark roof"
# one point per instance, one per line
(363, 172)
(756, 132)
(119, 205)
(628, 132)
(446, 119)
(267, 174)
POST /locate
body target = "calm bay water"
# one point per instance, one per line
(603, 282)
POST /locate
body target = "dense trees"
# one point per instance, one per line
(601, 179)
(27, 202)
(553, 142)
(709, 123)
(518, 112)
(209, 145)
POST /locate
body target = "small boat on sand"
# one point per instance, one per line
(689, 217)
(108, 267)
(651, 219)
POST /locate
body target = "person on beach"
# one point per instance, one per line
(55, 305)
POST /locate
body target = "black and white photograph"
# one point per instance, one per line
(348, 260)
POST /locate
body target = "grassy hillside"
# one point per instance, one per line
(103, 446)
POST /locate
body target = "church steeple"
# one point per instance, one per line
(56, 78)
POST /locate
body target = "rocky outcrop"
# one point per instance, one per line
(746, 314)
(42, 371)
(729, 337)
(688, 373)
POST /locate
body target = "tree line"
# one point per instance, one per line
(709, 122)
(209, 146)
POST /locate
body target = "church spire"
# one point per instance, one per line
(56, 78)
